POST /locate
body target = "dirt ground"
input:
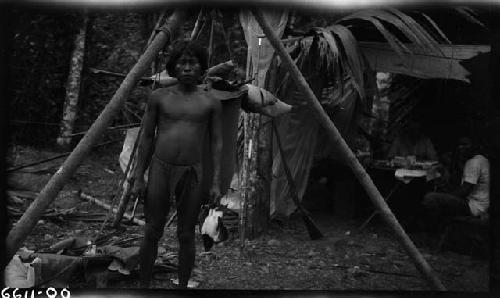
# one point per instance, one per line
(284, 258)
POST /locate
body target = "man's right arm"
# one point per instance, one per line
(146, 139)
(470, 178)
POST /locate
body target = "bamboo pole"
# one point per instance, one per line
(363, 177)
(157, 25)
(125, 196)
(197, 26)
(22, 229)
(211, 39)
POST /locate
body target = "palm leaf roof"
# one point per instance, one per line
(334, 50)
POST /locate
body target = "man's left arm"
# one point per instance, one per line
(216, 144)
(464, 190)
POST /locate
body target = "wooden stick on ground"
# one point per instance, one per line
(108, 207)
(350, 158)
(125, 196)
(23, 228)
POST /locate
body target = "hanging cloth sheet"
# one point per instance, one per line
(259, 57)
(299, 134)
(303, 139)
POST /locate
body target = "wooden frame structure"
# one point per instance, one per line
(29, 219)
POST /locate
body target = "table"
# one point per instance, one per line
(427, 169)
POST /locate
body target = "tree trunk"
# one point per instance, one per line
(257, 173)
(256, 170)
(349, 156)
(29, 219)
(73, 86)
(250, 186)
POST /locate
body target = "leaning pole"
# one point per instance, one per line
(26, 223)
(351, 159)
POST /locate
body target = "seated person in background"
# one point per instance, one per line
(444, 182)
(411, 141)
(472, 197)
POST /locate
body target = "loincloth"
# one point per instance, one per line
(180, 178)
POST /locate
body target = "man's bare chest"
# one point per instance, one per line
(192, 108)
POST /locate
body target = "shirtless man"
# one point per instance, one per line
(175, 123)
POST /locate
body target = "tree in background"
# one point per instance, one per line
(73, 86)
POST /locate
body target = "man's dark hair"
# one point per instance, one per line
(185, 46)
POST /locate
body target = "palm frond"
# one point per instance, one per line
(407, 25)
(418, 30)
(393, 41)
(469, 15)
(328, 49)
(334, 49)
(353, 62)
(436, 27)
(402, 26)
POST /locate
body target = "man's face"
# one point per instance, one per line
(412, 129)
(465, 148)
(188, 69)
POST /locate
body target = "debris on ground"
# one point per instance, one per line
(283, 258)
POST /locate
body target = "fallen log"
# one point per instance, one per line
(108, 207)
(25, 225)
(324, 120)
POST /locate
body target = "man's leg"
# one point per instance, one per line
(440, 206)
(156, 207)
(188, 209)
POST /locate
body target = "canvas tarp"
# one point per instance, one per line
(304, 140)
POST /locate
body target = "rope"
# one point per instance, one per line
(15, 168)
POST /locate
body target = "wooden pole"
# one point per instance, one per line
(211, 40)
(125, 196)
(22, 229)
(157, 25)
(197, 25)
(351, 159)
